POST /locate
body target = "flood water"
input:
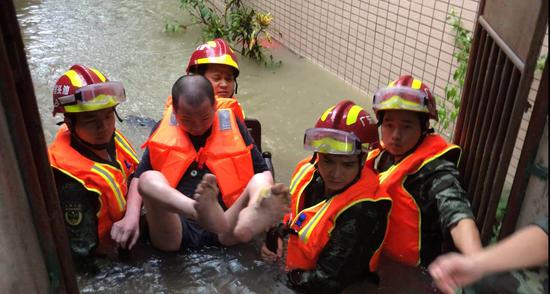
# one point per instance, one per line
(125, 40)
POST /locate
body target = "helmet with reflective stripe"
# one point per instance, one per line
(345, 128)
(405, 93)
(83, 89)
(216, 51)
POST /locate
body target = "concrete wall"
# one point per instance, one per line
(368, 43)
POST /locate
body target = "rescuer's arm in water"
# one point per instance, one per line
(79, 207)
(358, 233)
(272, 255)
(525, 248)
(125, 232)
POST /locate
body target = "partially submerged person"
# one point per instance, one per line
(202, 179)
(418, 170)
(337, 222)
(93, 164)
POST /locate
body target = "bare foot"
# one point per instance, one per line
(269, 208)
(210, 214)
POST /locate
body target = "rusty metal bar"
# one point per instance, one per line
(528, 152)
(469, 88)
(509, 52)
(27, 134)
(474, 89)
(477, 121)
(487, 135)
(501, 154)
(498, 104)
(473, 112)
(470, 72)
(495, 138)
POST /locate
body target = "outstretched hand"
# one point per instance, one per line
(454, 270)
(125, 232)
(270, 256)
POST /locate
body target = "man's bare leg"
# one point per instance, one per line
(232, 215)
(164, 204)
(210, 214)
(267, 205)
(248, 216)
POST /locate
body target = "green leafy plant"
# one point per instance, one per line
(541, 61)
(240, 25)
(463, 42)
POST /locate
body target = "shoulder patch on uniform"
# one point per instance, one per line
(73, 216)
(224, 119)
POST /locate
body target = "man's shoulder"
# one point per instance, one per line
(438, 165)
(367, 208)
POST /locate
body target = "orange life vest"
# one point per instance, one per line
(110, 183)
(315, 224)
(225, 153)
(221, 103)
(403, 241)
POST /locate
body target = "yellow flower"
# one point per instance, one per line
(264, 19)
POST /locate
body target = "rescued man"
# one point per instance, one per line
(202, 179)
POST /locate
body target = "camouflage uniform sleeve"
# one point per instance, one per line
(359, 232)
(79, 207)
(442, 184)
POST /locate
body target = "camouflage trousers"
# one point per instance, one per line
(529, 281)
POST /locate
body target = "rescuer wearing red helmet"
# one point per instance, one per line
(418, 170)
(216, 61)
(93, 164)
(337, 222)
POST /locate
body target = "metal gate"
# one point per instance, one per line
(507, 40)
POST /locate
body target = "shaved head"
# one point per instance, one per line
(194, 90)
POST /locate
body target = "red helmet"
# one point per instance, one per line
(216, 51)
(83, 89)
(405, 93)
(345, 128)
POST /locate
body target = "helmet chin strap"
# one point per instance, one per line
(117, 116)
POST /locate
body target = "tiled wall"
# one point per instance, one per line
(367, 43)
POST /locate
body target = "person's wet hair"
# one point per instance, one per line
(199, 69)
(194, 89)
